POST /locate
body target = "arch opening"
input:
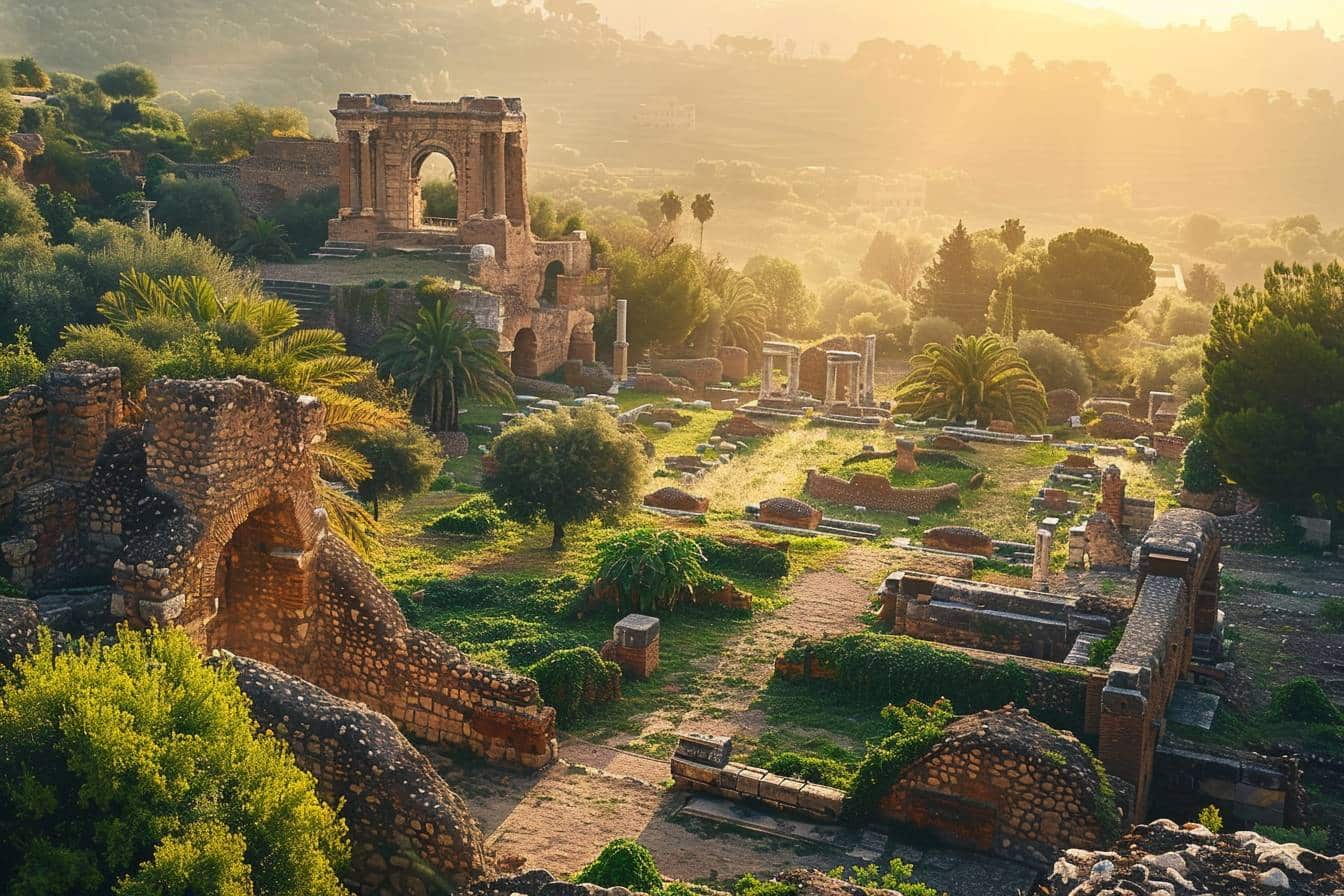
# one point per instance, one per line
(550, 288)
(263, 605)
(434, 193)
(523, 362)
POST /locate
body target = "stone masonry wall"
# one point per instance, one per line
(410, 833)
(877, 493)
(1002, 782)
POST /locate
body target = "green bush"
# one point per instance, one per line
(741, 557)
(1212, 819)
(131, 767)
(917, 727)
(830, 772)
(1101, 651)
(539, 598)
(1315, 839)
(19, 364)
(896, 669)
(106, 347)
(1303, 700)
(622, 863)
(1199, 470)
(477, 515)
(651, 567)
(1058, 364)
(897, 876)
(750, 885)
(574, 681)
(1332, 614)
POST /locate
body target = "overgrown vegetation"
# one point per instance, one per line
(475, 516)
(916, 727)
(576, 680)
(623, 863)
(897, 876)
(651, 568)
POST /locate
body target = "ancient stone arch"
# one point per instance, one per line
(524, 359)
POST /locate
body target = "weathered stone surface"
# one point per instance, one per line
(877, 493)
(1061, 404)
(735, 361)
(19, 623)
(789, 512)
(669, 497)
(961, 539)
(1112, 425)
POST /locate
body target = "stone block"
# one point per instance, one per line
(707, 749)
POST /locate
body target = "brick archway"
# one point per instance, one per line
(524, 359)
(415, 201)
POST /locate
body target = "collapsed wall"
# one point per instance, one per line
(206, 517)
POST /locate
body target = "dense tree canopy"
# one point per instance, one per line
(1084, 282)
(1274, 364)
(128, 81)
(896, 261)
(954, 285)
(793, 306)
(227, 134)
(130, 767)
(666, 295)
(564, 468)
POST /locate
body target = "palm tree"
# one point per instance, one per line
(670, 204)
(703, 209)
(977, 377)
(264, 342)
(264, 239)
(742, 312)
(443, 354)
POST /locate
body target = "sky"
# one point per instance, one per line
(1301, 13)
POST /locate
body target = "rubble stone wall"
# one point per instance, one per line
(409, 832)
(877, 493)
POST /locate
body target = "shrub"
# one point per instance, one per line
(477, 515)
(933, 328)
(19, 215)
(896, 876)
(432, 289)
(622, 863)
(131, 767)
(896, 669)
(1212, 819)
(1315, 839)
(918, 726)
(1199, 469)
(19, 364)
(576, 680)
(1303, 700)
(742, 557)
(750, 885)
(106, 347)
(538, 598)
(201, 208)
(651, 567)
(817, 769)
(154, 331)
(1055, 362)
(1099, 653)
(305, 218)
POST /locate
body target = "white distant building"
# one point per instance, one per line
(900, 196)
(665, 113)
(1169, 276)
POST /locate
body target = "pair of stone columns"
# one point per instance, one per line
(853, 363)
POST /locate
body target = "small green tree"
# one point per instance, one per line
(1058, 364)
(19, 364)
(205, 208)
(403, 461)
(623, 863)
(1212, 819)
(670, 205)
(1013, 234)
(263, 239)
(976, 377)
(19, 215)
(651, 567)
(793, 307)
(130, 767)
(58, 210)
(953, 285)
(128, 81)
(564, 468)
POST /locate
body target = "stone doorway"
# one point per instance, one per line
(434, 196)
(263, 602)
(550, 282)
(524, 359)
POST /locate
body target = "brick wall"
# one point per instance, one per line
(877, 493)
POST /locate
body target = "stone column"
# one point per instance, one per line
(869, 370)
(1040, 561)
(365, 175)
(499, 195)
(795, 362)
(620, 352)
(347, 175)
(853, 395)
(830, 383)
(767, 374)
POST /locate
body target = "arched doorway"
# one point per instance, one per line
(263, 607)
(524, 359)
(550, 281)
(434, 196)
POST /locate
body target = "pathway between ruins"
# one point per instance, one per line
(560, 818)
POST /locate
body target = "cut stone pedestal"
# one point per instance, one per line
(634, 645)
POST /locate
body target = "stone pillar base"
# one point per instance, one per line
(620, 361)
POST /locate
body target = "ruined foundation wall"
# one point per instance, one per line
(877, 493)
(409, 831)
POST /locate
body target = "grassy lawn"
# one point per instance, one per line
(358, 271)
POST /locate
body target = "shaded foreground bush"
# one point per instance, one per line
(132, 768)
(574, 681)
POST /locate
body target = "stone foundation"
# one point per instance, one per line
(877, 493)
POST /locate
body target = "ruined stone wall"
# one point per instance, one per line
(283, 168)
(1176, 609)
(1248, 788)
(1004, 783)
(739, 782)
(877, 493)
(985, 616)
(409, 832)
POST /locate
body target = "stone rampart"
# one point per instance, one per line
(877, 493)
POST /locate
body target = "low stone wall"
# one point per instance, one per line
(984, 616)
(743, 782)
(877, 493)
(699, 372)
(409, 831)
(1248, 788)
(1065, 696)
(1119, 426)
(1002, 782)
